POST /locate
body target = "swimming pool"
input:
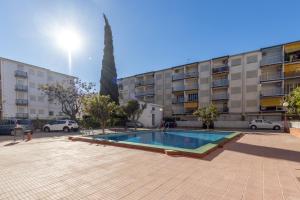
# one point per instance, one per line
(177, 139)
(172, 142)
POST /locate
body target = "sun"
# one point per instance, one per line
(68, 39)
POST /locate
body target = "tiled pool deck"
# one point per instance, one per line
(254, 167)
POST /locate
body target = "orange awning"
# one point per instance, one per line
(272, 101)
(191, 105)
(292, 47)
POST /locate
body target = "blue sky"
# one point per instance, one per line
(148, 34)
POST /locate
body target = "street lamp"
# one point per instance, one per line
(286, 127)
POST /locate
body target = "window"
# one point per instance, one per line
(51, 113)
(20, 82)
(41, 99)
(20, 95)
(204, 68)
(252, 59)
(31, 84)
(31, 72)
(251, 88)
(235, 90)
(251, 74)
(193, 97)
(204, 80)
(236, 76)
(40, 74)
(153, 119)
(153, 108)
(41, 111)
(235, 104)
(32, 98)
(236, 62)
(32, 111)
(251, 103)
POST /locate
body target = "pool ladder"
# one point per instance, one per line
(166, 127)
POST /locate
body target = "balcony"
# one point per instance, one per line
(294, 74)
(22, 88)
(178, 112)
(21, 74)
(145, 93)
(271, 108)
(271, 76)
(22, 102)
(191, 104)
(272, 92)
(178, 76)
(191, 75)
(144, 82)
(178, 88)
(191, 87)
(216, 97)
(224, 69)
(22, 115)
(223, 109)
(149, 92)
(178, 100)
(220, 83)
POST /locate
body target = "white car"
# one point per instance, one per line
(263, 124)
(61, 125)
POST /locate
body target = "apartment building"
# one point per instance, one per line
(244, 86)
(20, 96)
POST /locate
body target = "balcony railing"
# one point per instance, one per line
(191, 87)
(223, 96)
(20, 73)
(178, 88)
(191, 75)
(143, 93)
(21, 102)
(223, 109)
(144, 82)
(271, 76)
(22, 115)
(220, 69)
(272, 92)
(220, 83)
(177, 101)
(23, 88)
(178, 112)
(178, 76)
(271, 108)
(292, 74)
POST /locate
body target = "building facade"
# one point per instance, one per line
(20, 96)
(244, 86)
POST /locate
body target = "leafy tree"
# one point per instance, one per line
(108, 82)
(69, 95)
(134, 110)
(208, 115)
(293, 100)
(101, 108)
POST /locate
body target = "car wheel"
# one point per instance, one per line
(276, 128)
(253, 127)
(66, 129)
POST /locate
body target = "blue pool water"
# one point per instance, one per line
(179, 139)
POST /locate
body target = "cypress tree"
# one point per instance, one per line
(108, 81)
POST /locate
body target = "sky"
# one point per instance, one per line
(148, 34)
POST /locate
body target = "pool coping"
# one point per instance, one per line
(197, 153)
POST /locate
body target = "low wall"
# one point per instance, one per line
(218, 124)
(295, 124)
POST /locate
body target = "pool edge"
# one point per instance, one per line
(172, 151)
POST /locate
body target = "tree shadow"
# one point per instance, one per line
(11, 144)
(256, 150)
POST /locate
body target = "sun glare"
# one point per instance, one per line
(68, 39)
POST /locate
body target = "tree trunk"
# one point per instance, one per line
(103, 127)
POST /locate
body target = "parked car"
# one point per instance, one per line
(134, 124)
(169, 122)
(7, 126)
(61, 125)
(264, 124)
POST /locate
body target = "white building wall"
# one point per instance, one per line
(38, 105)
(152, 111)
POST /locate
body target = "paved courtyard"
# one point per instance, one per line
(257, 166)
